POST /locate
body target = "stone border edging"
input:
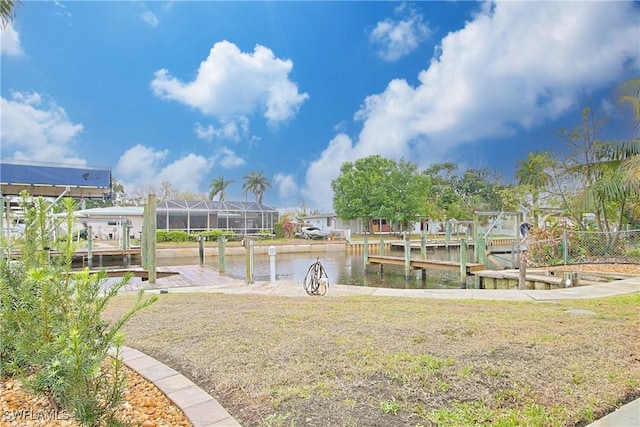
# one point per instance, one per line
(198, 406)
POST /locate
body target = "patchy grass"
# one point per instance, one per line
(368, 361)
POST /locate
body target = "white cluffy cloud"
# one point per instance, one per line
(227, 158)
(514, 66)
(35, 128)
(233, 130)
(10, 41)
(142, 166)
(150, 18)
(286, 184)
(397, 38)
(230, 83)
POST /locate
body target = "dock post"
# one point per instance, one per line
(463, 263)
(248, 248)
(222, 243)
(447, 234)
(522, 273)
(565, 247)
(407, 255)
(90, 246)
(201, 240)
(475, 236)
(481, 251)
(126, 258)
(152, 237)
(366, 248)
(381, 245)
(144, 250)
(423, 245)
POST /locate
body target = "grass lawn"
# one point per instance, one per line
(371, 361)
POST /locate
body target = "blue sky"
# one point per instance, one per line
(186, 91)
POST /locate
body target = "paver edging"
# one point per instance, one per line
(205, 412)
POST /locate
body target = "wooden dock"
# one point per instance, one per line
(423, 264)
(179, 276)
(535, 279)
(99, 256)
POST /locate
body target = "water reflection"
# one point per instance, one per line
(344, 268)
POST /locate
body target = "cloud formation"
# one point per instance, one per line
(228, 159)
(231, 83)
(397, 38)
(232, 130)
(10, 41)
(515, 65)
(35, 128)
(150, 18)
(142, 166)
(286, 184)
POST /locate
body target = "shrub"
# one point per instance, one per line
(634, 253)
(214, 235)
(174, 236)
(278, 230)
(52, 334)
(265, 234)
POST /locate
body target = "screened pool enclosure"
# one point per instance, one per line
(243, 218)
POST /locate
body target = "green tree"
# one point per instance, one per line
(595, 169)
(375, 187)
(218, 186)
(8, 11)
(255, 182)
(533, 173)
(443, 201)
(629, 96)
(479, 190)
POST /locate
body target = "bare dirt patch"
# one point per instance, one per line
(363, 361)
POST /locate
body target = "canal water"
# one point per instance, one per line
(346, 269)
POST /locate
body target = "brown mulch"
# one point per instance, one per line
(605, 268)
(144, 405)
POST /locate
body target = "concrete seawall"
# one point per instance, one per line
(211, 249)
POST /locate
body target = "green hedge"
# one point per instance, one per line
(174, 236)
(177, 236)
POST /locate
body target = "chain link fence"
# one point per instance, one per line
(584, 247)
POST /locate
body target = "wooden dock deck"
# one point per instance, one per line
(179, 276)
(422, 264)
(535, 279)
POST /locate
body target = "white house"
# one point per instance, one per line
(329, 221)
(106, 223)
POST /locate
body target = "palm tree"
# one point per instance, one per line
(629, 96)
(8, 11)
(257, 184)
(218, 186)
(533, 173)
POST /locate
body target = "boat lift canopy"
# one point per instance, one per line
(53, 181)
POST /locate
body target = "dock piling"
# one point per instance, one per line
(463, 263)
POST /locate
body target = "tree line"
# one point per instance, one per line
(587, 175)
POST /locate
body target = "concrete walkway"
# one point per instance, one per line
(204, 411)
